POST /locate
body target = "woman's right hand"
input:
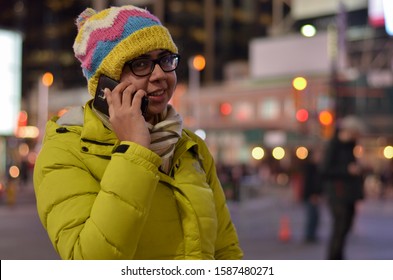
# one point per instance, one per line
(125, 114)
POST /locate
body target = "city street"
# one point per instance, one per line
(22, 236)
(260, 222)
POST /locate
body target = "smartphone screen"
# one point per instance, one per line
(100, 103)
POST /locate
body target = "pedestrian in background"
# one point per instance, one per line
(343, 177)
(133, 185)
(311, 194)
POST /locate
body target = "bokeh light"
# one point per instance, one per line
(302, 152)
(258, 153)
(278, 153)
(388, 152)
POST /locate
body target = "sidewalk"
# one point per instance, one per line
(22, 236)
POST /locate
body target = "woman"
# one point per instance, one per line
(133, 186)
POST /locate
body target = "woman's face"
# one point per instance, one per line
(159, 85)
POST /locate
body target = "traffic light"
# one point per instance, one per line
(22, 118)
(302, 115)
(299, 84)
(326, 119)
(225, 109)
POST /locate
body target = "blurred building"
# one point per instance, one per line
(348, 72)
(218, 29)
(238, 98)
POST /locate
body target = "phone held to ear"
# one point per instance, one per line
(101, 105)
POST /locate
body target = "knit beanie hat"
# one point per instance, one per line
(108, 39)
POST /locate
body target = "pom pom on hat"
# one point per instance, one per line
(106, 40)
(84, 16)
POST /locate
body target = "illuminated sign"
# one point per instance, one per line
(10, 73)
(303, 9)
(388, 13)
(380, 13)
(375, 13)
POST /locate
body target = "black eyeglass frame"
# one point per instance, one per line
(154, 63)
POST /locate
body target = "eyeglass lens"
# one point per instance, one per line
(145, 66)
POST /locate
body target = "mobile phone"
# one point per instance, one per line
(99, 101)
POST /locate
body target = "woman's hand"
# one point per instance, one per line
(125, 114)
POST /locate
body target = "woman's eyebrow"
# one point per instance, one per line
(143, 56)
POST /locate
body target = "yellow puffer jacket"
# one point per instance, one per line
(98, 203)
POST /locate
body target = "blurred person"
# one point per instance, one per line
(311, 196)
(25, 171)
(224, 175)
(132, 186)
(386, 178)
(344, 183)
(237, 173)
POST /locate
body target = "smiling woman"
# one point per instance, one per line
(139, 186)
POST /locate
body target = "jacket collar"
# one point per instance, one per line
(96, 139)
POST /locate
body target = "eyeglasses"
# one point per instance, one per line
(144, 66)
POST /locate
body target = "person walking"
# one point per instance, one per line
(311, 195)
(131, 184)
(343, 177)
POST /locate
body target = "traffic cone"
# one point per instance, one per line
(284, 233)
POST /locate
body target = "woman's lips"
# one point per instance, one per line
(157, 96)
(156, 93)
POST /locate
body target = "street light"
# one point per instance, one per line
(47, 79)
(326, 119)
(44, 82)
(195, 65)
(308, 30)
(299, 83)
(199, 62)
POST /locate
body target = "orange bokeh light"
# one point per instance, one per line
(47, 79)
(325, 117)
(199, 62)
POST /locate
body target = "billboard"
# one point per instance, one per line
(303, 9)
(380, 13)
(388, 14)
(289, 55)
(376, 17)
(11, 77)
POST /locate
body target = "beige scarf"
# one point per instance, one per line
(164, 136)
